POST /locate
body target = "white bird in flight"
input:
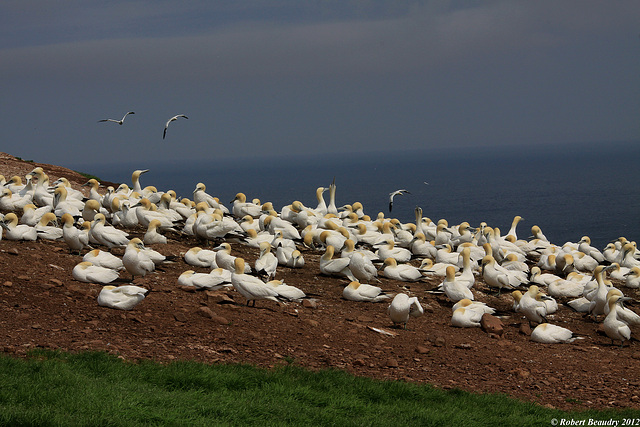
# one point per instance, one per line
(120, 122)
(171, 120)
(396, 193)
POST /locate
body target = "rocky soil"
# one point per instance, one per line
(42, 306)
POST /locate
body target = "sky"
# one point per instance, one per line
(271, 78)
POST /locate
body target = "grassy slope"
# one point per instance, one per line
(51, 388)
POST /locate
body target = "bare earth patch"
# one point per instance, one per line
(41, 305)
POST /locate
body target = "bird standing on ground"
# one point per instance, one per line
(174, 118)
(402, 306)
(393, 194)
(120, 122)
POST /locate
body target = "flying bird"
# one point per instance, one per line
(171, 120)
(120, 122)
(396, 193)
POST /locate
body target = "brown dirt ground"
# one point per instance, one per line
(42, 306)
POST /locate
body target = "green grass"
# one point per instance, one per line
(52, 388)
(88, 176)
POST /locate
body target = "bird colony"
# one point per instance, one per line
(542, 280)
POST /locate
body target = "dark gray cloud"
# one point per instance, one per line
(316, 76)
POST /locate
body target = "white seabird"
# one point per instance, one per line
(396, 193)
(402, 306)
(121, 297)
(120, 122)
(174, 118)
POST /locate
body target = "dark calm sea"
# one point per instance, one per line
(567, 190)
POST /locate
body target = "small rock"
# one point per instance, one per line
(180, 317)
(491, 324)
(310, 303)
(311, 322)
(187, 288)
(23, 277)
(525, 329)
(8, 284)
(427, 308)
(465, 346)
(218, 298)
(392, 363)
(358, 362)
(220, 320)
(206, 312)
(56, 282)
(421, 349)
(36, 326)
(13, 251)
(439, 342)
(365, 319)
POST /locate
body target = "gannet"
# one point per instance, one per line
(90, 209)
(241, 207)
(122, 297)
(250, 287)
(391, 251)
(532, 306)
(349, 249)
(632, 278)
(615, 328)
(428, 268)
(199, 257)
(356, 291)
(205, 280)
(466, 276)
(13, 202)
(335, 266)
(454, 289)
(104, 259)
(514, 224)
(497, 278)
(13, 231)
(123, 215)
(445, 254)
(321, 209)
(617, 272)
(225, 260)
(87, 272)
(120, 122)
(331, 207)
(464, 318)
(403, 272)
(286, 291)
(584, 245)
(551, 334)
(563, 288)
(628, 316)
(402, 306)
(478, 306)
(599, 299)
(74, 238)
(164, 134)
(334, 238)
(93, 185)
(107, 235)
(31, 215)
(135, 260)
(543, 279)
(420, 247)
(628, 256)
(396, 193)
(63, 204)
(201, 196)
(266, 263)
(363, 268)
(273, 223)
(151, 236)
(46, 231)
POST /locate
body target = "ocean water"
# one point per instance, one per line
(568, 190)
